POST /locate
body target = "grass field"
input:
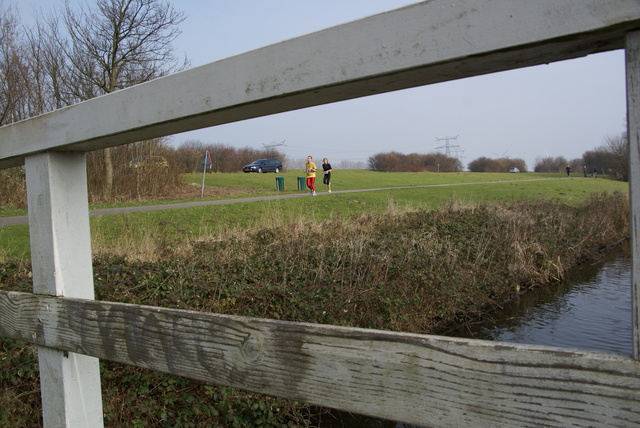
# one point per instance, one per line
(145, 231)
(353, 179)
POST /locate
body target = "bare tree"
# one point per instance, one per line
(14, 98)
(484, 164)
(612, 158)
(550, 164)
(121, 43)
(110, 46)
(13, 69)
(47, 68)
(618, 147)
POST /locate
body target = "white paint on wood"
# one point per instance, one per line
(62, 265)
(419, 379)
(429, 42)
(59, 224)
(633, 123)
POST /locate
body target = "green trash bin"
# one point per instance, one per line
(302, 183)
(280, 184)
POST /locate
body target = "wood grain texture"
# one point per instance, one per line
(419, 379)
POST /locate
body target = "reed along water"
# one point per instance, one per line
(589, 310)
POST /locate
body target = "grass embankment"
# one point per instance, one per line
(139, 233)
(390, 265)
(405, 270)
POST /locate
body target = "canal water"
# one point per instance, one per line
(589, 310)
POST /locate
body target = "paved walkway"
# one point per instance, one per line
(13, 221)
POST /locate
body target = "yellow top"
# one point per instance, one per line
(310, 169)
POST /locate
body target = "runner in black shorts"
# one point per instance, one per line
(326, 168)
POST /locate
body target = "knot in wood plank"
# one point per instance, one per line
(252, 349)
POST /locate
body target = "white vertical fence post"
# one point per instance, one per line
(62, 266)
(633, 123)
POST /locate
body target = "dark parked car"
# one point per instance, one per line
(263, 165)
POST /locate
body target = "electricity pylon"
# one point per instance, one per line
(447, 146)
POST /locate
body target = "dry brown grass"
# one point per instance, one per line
(13, 189)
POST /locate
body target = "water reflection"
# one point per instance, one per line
(591, 310)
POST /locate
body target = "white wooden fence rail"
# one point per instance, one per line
(425, 380)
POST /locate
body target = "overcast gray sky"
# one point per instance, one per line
(560, 109)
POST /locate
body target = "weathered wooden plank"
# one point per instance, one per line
(633, 123)
(419, 379)
(429, 42)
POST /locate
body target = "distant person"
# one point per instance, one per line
(584, 169)
(568, 170)
(310, 172)
(595, 173)
(326, 168)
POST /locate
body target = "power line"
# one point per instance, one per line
(450, 148)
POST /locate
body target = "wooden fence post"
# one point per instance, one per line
(633, 132)
(62, 266)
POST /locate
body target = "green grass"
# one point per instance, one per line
(352, 179)
(173, 225)
(10, 213)
(264, 184)
(14, 242)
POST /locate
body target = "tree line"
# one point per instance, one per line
(189, 157)
(611, 159)
(484, 164)
(414, 162)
